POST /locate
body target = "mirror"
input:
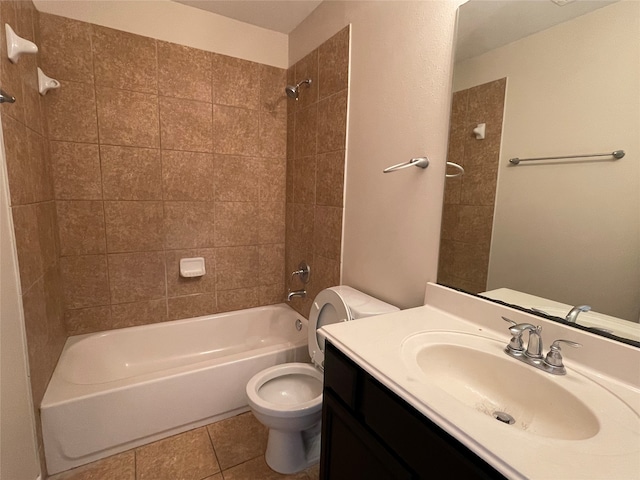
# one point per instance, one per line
(552, 78)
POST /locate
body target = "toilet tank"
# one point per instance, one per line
(363, 305)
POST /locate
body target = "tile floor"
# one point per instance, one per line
(232, 449)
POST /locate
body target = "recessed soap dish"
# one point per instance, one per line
(192, 267)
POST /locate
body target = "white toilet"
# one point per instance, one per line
(287, 398)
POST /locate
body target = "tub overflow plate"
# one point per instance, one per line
(504, 417)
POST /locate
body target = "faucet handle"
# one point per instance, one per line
(508, 320)
(516, 330)
(554, 357)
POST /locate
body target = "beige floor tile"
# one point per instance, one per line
(117, 467)
(238, 439)
(313, 472)
(187, 456)
(258, 469)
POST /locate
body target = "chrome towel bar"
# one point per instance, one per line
(459, 173)
(422, 162)
(617, 154)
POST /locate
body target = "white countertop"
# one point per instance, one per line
(375, 344)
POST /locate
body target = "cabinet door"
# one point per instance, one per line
(350, 452)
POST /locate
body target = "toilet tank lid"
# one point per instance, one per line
(361, 304)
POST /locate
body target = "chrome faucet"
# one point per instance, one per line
(296, 293)
(552, 363)
(572, 316)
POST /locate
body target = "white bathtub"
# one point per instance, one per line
(112, 391)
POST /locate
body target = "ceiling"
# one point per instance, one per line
(279, 15)
(487, 24)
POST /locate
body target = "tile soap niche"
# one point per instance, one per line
(192, 267)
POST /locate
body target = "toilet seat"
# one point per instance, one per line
(328, 307)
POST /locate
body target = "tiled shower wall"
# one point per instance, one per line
(161, 152)
(316, 141)
(469, 200)
(32, 203)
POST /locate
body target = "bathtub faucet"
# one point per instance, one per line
(296, 293)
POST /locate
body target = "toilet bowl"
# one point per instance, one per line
(287, 398)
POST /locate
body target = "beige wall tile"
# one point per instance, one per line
(188, 455)
(18, 163)
(271, 264)
(271, 294)
(184, 72)
(128, 118)
(326, 273)
(33, 101)
(307, 68)
(136, 276)
(273, 81)
(235, 131)
(236, 82)
(333, 61)
(237, 267)
(235, 223)
(273, 132)
(187, 176)
(238, 439)
(71, 113)
(75, 170)
(81, 227)
(273, 179)
(35, 320)
(30, 258)
(65, 48)
(303, 225)
(85, 281)
(177, 285)
(304, 180)
(134, 226)
(48, 233)
(306, 129)
(229, 300)
(332, 123)
(88, 320)
(189, 224)
(272, 223)
(186, 125)
(330, 179)
(291, 123)
(124, 60)
(130, 173)
(475, 224)
(450, 222)
(237, 179)
(40, 168)
(192, 306)
(479, 184)
(138, 313)
(327, 232)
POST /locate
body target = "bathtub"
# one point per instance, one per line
(116, 390)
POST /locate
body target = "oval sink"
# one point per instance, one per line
(475, 371)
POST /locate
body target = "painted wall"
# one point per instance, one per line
(399, 104)
(177, 23)
(568, 92)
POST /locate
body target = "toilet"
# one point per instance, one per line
(287, 398)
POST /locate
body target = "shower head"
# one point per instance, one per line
(294, 91)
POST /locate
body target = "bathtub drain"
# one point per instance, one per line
(504, 417)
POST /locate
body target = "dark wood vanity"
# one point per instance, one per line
(368, 432)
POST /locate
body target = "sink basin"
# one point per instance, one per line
(475, 371)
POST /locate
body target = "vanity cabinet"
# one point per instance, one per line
(368, 432)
